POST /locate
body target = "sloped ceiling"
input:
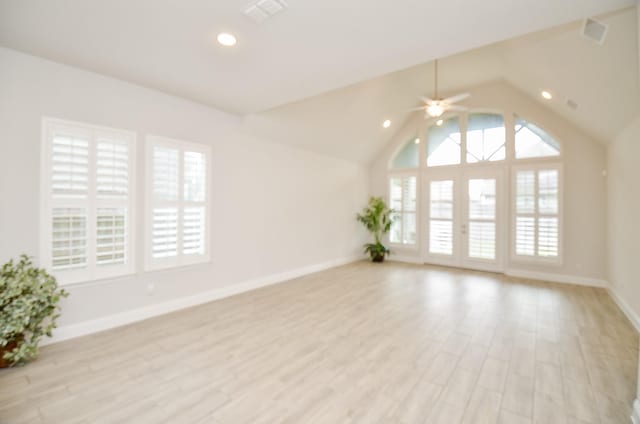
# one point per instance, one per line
(603, 80)
(312, 47)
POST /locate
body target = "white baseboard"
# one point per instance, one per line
(629, 312)
(556, 278)
(112, 321)
(635, 414)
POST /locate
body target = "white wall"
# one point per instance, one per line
(274, 208)
(584, 186)
(623, 154)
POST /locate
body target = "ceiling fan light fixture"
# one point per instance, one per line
(435, 109)
(439, 122)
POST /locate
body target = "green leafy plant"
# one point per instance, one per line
(377, 218)
(29, 299)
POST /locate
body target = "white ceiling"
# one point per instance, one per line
(603, 80)
(312, 47)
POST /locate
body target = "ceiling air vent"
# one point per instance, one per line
(595, 31)
(261, 10)
(571, 104)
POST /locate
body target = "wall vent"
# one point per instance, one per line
(595, 31)
(571, 104)
(262, 9)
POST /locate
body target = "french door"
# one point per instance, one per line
(465, 218)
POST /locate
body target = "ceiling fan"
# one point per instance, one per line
(437, 106)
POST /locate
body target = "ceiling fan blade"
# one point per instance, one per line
(426, 99)
(458, 98)
(417, 108)
(456, 108)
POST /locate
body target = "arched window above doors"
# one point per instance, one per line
(486, 138)
(534, 142)
(444, 143)
(408, 156)
(476, 137)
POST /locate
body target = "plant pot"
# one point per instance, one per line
(8, 348)
(378, 257)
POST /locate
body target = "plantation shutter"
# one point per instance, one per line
(165, 214)
(178, 232)
(548, 213)
(69, 238)
(70, 166)
(69, 179)
(112, 171)
(165, 232)
(86, 203)
(525, 213)
(193, 228)
(537, 232)
(112, 234)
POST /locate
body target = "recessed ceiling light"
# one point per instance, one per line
(417, 141)
(546, 95)
(386, 124)
(227, 39)
(439, 122)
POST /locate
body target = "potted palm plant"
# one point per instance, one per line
(377, 218)
(29, 299)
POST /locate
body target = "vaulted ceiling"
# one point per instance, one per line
(602, 80)
(323, 75)
(312, 47)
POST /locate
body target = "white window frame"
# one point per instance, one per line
(151, 263)
(91, 203)
(536, 168)
(403, 175)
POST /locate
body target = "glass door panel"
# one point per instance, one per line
(482, 219)
(464, 213)
(441, 217)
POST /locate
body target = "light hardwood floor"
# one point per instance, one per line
(361, 343)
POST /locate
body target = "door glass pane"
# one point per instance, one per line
(441, 237)
(525, 236)
(444, 143)
(482, 199)
(486, 138)
(442, 199)
(482, 240)
(409, 228)
(482, 216)
(441, 217)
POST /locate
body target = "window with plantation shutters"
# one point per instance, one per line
(537, 194)
(86, 213)
(402, 198)
(177, 203)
